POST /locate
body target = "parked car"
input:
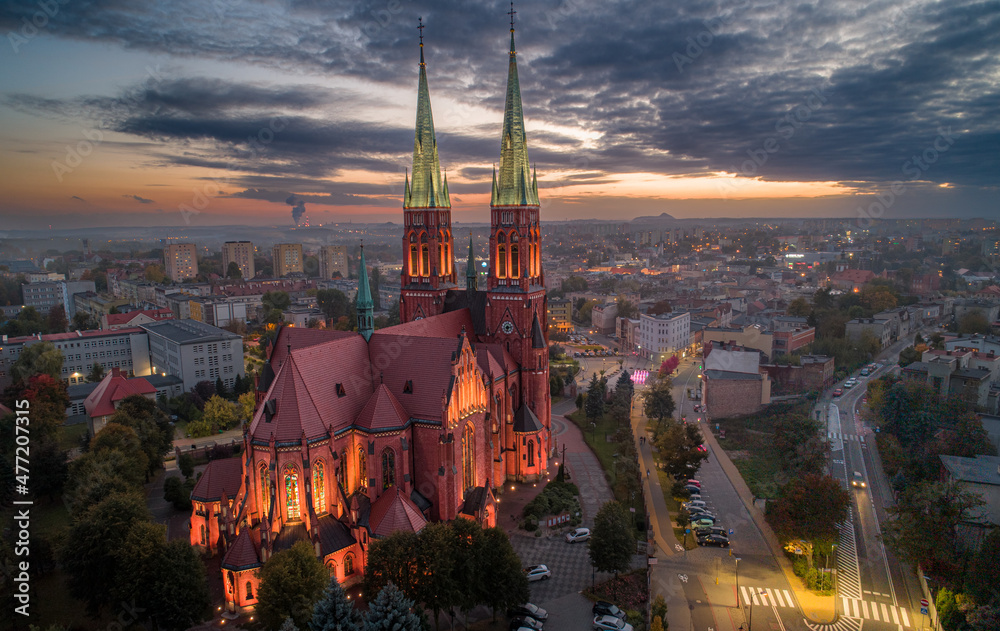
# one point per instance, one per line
(693, 503)
(714, 540)
(525, 622)
(537, 573)
(701, 512)
(579, 534)
(604, 608)
(610, 623)
(858, 481)
(690, 488)
(529, 610)
(693, 483)
(702, 446)
(703, 521)
(710, 530)
(695, 497)
(838, 392)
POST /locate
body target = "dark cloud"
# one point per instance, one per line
(78, 198)
(687, 87)
(141, 200)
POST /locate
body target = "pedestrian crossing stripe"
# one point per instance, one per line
(847, 437)
(767, 597)
(882, 612)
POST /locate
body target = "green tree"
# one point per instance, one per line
(276, 300)
(679, 447)
(810, 507)
(612, 540)
(233, 270)
(97, 474)
(659, 308)
(186, 465)
(466, 548)
(96, 372)
(151, 424)
(974, 321)
(291, 583)
(154, 273)
(84, 322)
(90, 554)
(333, 303)
(220, 413)
(56, 321)
(333, 612)
(47, 399)
(391, 611)
(42, 358)
(627, 310)
(440, 592)
(595, 399)
(393, 559)
(573, 284)
(658, 400)
(502, 583)
(799, 308)
(246, 404)
(168, 579)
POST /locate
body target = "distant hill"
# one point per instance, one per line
(662, 218)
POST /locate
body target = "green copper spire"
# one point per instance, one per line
(365, 304)
(470, 271)
(515, 186)
(426, 189)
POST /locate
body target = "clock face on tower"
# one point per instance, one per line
(507, 327)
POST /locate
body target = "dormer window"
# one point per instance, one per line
(340, 390)
(408, 387)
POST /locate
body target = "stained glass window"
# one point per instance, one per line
(469, 457)
(292, 509)
(531, 453)
(348, 565)
(265, 490)
(362, 468)
(388, 469)
(319, 487)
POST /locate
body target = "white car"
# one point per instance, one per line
(580, 534)
(610, 623)
(537, 573)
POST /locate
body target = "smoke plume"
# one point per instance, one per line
(298, 208)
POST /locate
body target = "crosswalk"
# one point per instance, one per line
(848, 572)
(843, 623)
(848, 437)
(766, 596)
(856, 608)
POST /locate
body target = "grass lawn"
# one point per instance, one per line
(674, 506)
(71, 435)
(749, 443)
(598, 439)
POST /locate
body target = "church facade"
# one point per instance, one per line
(360, 434)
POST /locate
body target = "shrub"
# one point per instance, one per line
(178, 492)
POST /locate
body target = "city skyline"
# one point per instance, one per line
(142, 118)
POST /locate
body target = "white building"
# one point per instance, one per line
(195, 351)
(664, 334)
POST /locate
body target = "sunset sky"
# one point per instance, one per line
(126, 113)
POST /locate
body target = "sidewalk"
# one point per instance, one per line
(818, 609)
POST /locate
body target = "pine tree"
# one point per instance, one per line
(288, 625)
(595, 399)
(334, 612)
(391, 611)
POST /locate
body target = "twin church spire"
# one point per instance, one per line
(429, 189)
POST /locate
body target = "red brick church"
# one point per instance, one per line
(360, 434)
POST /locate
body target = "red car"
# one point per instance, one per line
(837, 392)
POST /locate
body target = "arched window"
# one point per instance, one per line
(331, 567)
(249, 591)
(265, 490)
(449, 253)
(531, 453)
(501, 255)
(388, 468)
(414, 257)
(204, 538)
(425, 256)
(348, 565)
(469, 457)
(319, 487)
(341, 468)
(515, 262)
(362, 468)
(293, 509)
(230, 582)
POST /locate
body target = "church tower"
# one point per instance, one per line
(516, 303)
(428, 247)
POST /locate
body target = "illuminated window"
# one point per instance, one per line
(388, 468)
(469, 456)
(265, 490)
(515, 263)
(292, 508)
(348, 565)
(362, 468)
(531, 453)
(319, 487)
(501, 255)
(249, 591)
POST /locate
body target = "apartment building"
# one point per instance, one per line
(560, 310)
(241, 253)
(195, 351)
(180, 261)
(287, 259)
(333, 259)
(45, 295)
(664, 334)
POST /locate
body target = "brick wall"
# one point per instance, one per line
(732, 397)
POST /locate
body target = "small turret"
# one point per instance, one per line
(366, 306)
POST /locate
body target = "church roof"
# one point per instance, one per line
(475, 500)
(242, 555)
(537, 338)
(473, 301)
(220, 477)
(419, 372)
(393, 511)
(334, 535)
(427, 190)
(525, 421)
(301, 338)
(515, 186)
(447, 324)
(382, 412)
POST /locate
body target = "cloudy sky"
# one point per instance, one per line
(116, 112)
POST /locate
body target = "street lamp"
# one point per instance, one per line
(737, 582)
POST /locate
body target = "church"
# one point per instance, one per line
(360, 434)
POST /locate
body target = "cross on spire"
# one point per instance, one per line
(512, 13)
(420, 27)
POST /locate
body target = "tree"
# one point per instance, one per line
(276, 300)
(96, 373)
(435, 561)
(90, 554)
(246, 404)
(797, 438)
(679, 446)
(97, 474)
(573, 284)
(393, 559)
(612, 542)
(47, 399)
(167, 578)
(291, 582)
(151, 424)
(810, 507)
(503, 584)
(57, 322)
(658, 400)
(659, 308)
(333, 612)
(333, 303)
(669, 365)
(923, 527)
(154, 273)
(975, 321)
(595, 399)
(233, 271)
(42, 358)
(627, 310)
(799, 308)
(49, 469)
(84, 322)
(878, 298)
(391, 611)
(220, 413)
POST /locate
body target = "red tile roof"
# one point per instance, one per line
(301, 338)
(425, 361)
(115, 319)
(113, 388)
(382, 412)
(444, 325)
(242, 555)
(61, 337)
(393, 511)
(221, 477)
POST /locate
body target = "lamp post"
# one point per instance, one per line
(738, 582)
